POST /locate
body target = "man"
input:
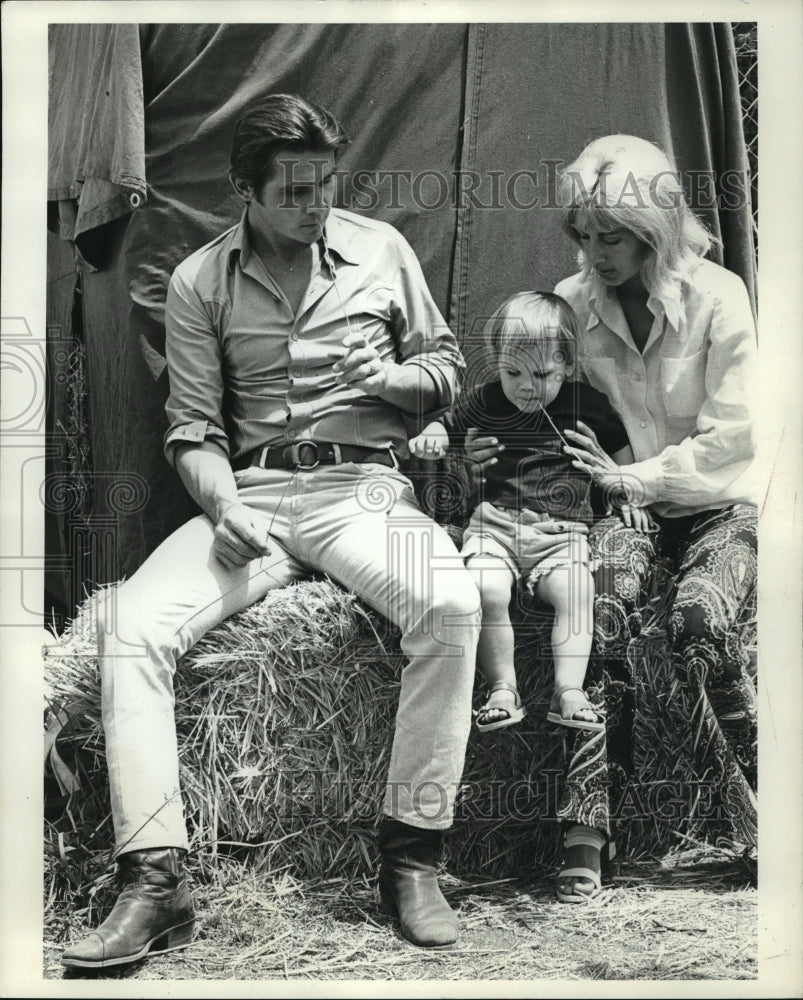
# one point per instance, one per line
(296, 342)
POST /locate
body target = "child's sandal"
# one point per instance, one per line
(512, 715)
(556, 714)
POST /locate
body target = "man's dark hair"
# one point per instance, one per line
(278, 123)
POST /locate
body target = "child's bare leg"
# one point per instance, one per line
(570, 591)
(495, 581)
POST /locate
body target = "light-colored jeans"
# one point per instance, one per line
(360, 524)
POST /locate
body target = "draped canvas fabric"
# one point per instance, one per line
(537, 94)
(62, 347)
(432, 110)
(96, 127)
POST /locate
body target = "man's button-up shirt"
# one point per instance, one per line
(246, 371)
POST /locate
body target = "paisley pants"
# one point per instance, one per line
(673, 668)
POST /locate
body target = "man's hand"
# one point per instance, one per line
(431, 443)
(361, 366)
(241, 534)
(481, 451)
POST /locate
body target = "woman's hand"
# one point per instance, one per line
(555, 526)
(620, 489)
(588, 454)
(638, 518)
(481, 451)
(430, 444)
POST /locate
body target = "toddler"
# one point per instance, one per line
(532, 519)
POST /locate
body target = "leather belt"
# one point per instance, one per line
(310, 454)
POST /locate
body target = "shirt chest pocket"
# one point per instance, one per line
(370, 304)
(368, 313)
(683, 384)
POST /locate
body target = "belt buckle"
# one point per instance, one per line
(295, 454)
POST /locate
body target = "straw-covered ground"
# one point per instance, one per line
(285, 719)
(691, 917)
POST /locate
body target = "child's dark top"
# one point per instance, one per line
(533, 471)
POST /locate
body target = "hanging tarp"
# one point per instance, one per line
(96, 124)
(537, 94)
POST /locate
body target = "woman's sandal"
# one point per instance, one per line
(582, 892)
(555, 713)
(513, 715)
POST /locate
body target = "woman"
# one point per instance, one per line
(670, 338)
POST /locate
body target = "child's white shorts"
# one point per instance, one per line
(517, 538)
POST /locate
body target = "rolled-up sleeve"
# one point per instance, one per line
(194, 406)
(422, 336)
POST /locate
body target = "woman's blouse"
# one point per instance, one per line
(686, 400)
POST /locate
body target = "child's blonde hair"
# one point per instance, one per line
(530, 318)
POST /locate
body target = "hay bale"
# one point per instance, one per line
(285, 719)
(274, 708)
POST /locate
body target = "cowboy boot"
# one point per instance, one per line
(153, 913)
(408, 885)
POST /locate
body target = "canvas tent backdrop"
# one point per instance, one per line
(140, 121)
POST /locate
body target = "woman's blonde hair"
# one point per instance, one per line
(624, 182)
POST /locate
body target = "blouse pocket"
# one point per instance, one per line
(683, 384)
